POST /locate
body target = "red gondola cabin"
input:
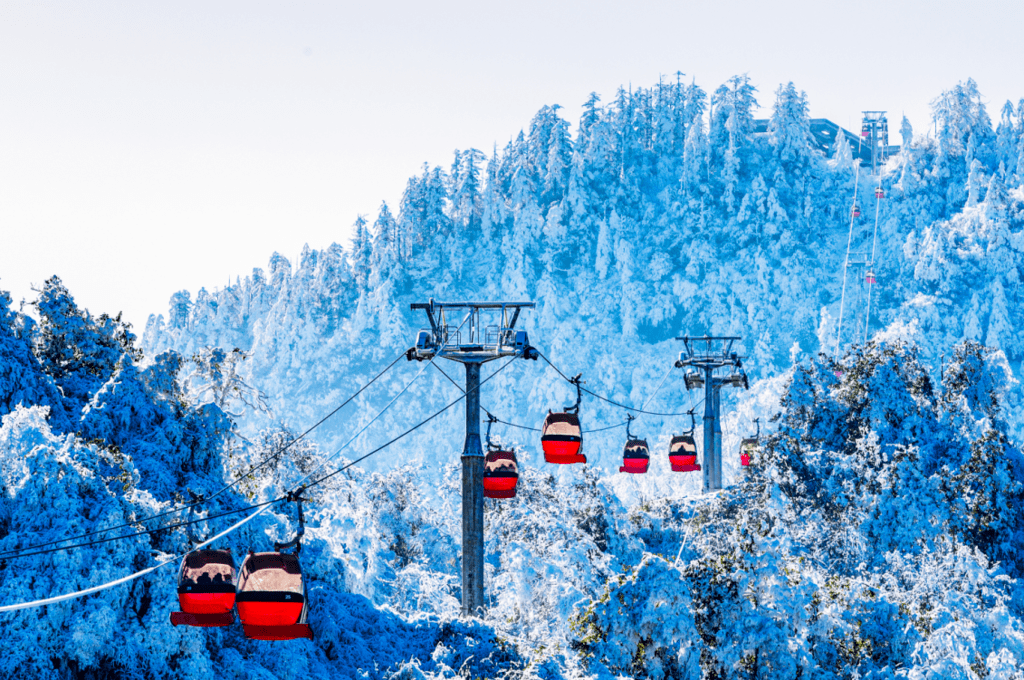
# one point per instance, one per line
(748, 449)
(206, 589)
(636, 457)
(879, 193)
(562, 439)
(501, 474)
(271, 597)
(856, 210)
(750, 446)
(682, 454)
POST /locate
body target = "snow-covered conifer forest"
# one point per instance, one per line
(877, 534)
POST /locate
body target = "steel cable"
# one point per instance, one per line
(610, 401)
(265, 506)
(272, 457)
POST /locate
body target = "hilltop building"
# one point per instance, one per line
(871, 147)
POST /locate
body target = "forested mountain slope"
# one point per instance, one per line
(664, 215)
(877, 534)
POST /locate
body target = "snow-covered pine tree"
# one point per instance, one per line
(76, 351)
(362, 252)
(22, 380)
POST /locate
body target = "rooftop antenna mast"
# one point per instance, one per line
(476, 345)
(705, 355)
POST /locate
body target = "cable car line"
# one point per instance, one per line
(610, 401)
(407, 432)
(879, 195)
(257, 505)
(301, 483)
(278, 453)
(854, 213)
(516, 425)
(20, 551)
(263, 507)
(148, 532)
(266, 506)
(452, 381)
(607, 427)
(130, 577)
(270, 502)
(489, 414)
(265, 461)
(506, 422)
(600, 429)
(657, 389)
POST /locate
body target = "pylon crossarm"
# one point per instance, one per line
(483, 341)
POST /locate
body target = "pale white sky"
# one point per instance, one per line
(148, 147)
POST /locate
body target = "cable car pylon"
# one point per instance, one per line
(870, 278)
(715, 354)
(482, 344)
